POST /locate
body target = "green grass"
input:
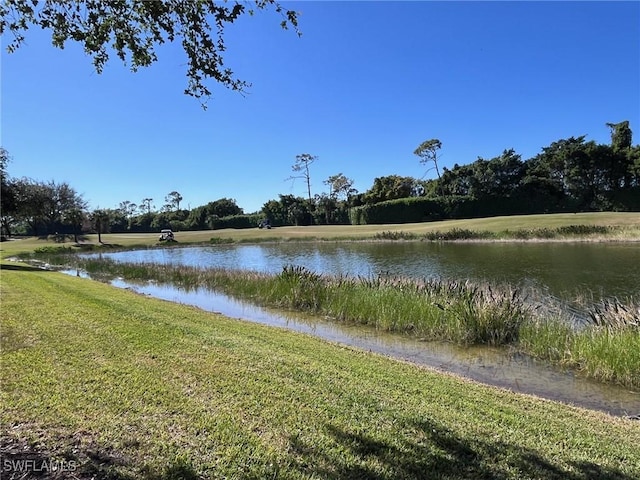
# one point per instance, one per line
(132, 387)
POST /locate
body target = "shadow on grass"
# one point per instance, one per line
(21, 268)
(79, 461)
(435, 452)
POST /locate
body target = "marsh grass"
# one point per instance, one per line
(613, 314)
(460, 312)
(537, 233)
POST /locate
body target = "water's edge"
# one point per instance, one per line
(491, 366)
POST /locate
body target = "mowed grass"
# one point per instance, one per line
(627, 222)
(132, 387)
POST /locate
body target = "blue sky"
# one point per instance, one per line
(365, 84)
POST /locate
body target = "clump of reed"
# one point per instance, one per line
(395, 235)
(460, 312)
(546, 233)
(612, 314)
(458, 234)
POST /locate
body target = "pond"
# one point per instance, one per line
(563, 270)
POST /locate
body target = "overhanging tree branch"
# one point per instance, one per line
(133, 29)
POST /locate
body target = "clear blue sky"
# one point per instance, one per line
(361, 89)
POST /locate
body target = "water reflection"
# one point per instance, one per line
(561, 269)
(487, 365)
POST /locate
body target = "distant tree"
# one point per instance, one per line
(30, 198)
(132, 29)
(118, 221)
(303, 161)
(4, 161)
(623, 160)
(60, 198)
(275, 212)
(457, 181)
(127, 208)
(633, 159)
(101, 220)
(288, 210)
(391, 187)
(175, 220)
(583, 169)
(621, 135)
(142, 222)
(224, 207)
(75, 218)
(325, 206)
(173, 200)
(497, 177)
(146, 206)
(42, 205)
(8, 206)
(340, 186)
(428, 153)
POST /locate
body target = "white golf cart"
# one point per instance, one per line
(166, 235)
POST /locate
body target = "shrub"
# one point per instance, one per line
(388, 235)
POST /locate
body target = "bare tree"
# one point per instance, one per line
(302, 168)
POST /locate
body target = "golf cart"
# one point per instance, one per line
(166, 235)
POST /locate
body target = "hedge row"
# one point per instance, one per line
(236, 221)
(421, 209)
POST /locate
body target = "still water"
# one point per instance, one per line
(562, 270)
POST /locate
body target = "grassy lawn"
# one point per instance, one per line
(121, 386)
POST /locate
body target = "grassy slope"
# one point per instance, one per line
(135, 387)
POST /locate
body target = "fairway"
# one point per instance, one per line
(629, 222)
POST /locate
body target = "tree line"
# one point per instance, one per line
(571, 174)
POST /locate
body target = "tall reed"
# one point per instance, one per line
(460, 312)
